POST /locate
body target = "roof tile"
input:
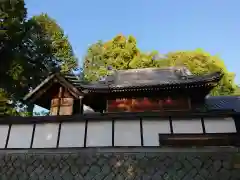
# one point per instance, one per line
(146, 77)
(223, 102)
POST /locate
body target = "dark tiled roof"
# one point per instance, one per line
(223, 102)
(147, 77)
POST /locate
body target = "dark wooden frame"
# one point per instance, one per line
(117, 115)
(205, 139)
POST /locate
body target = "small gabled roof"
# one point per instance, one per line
(47, 84)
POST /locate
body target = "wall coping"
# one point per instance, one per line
(116, 116)
(122, 150)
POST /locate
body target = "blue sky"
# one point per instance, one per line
(163, 25)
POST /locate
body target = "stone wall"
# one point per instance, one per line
(121, 164)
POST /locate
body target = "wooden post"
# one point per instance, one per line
(189, 103)
(56, 104)
(62, 104)
(59, 100)
(81, 104)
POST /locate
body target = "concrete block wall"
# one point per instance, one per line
(120, 164)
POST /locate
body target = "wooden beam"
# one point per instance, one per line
(41, 92)
(81, 104)
(29, 95)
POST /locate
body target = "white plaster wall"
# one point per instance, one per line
(45, 135)
(220, 125)
(99, 133)
(72, 135)
(187, 126)
(20, 136)
(127, 133)
(3, 135)
(151, 129)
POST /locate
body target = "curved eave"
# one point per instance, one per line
(205, 81)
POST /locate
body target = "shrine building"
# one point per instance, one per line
(151, 107)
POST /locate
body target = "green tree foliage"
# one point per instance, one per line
(237, 91)
(93, 63)
(24, 56)
(61, 47)
(3, 103)
(29, 49)
(6, 108)
(41, 113)
(117, 53)
(199, 63)
(122, 53)
(12, 15)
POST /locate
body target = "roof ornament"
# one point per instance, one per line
(109, 68)
(186, 71)
(85, 91)
(107, 78)
(180, 73)
(183, 73)
(102, 78)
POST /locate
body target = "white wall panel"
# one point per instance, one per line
(99, 133)
(72, 135)
(20, 136)
(151, 129)
(220, 125)
(45, 136)
(187, 126)
(127, 133)
(3, 135)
